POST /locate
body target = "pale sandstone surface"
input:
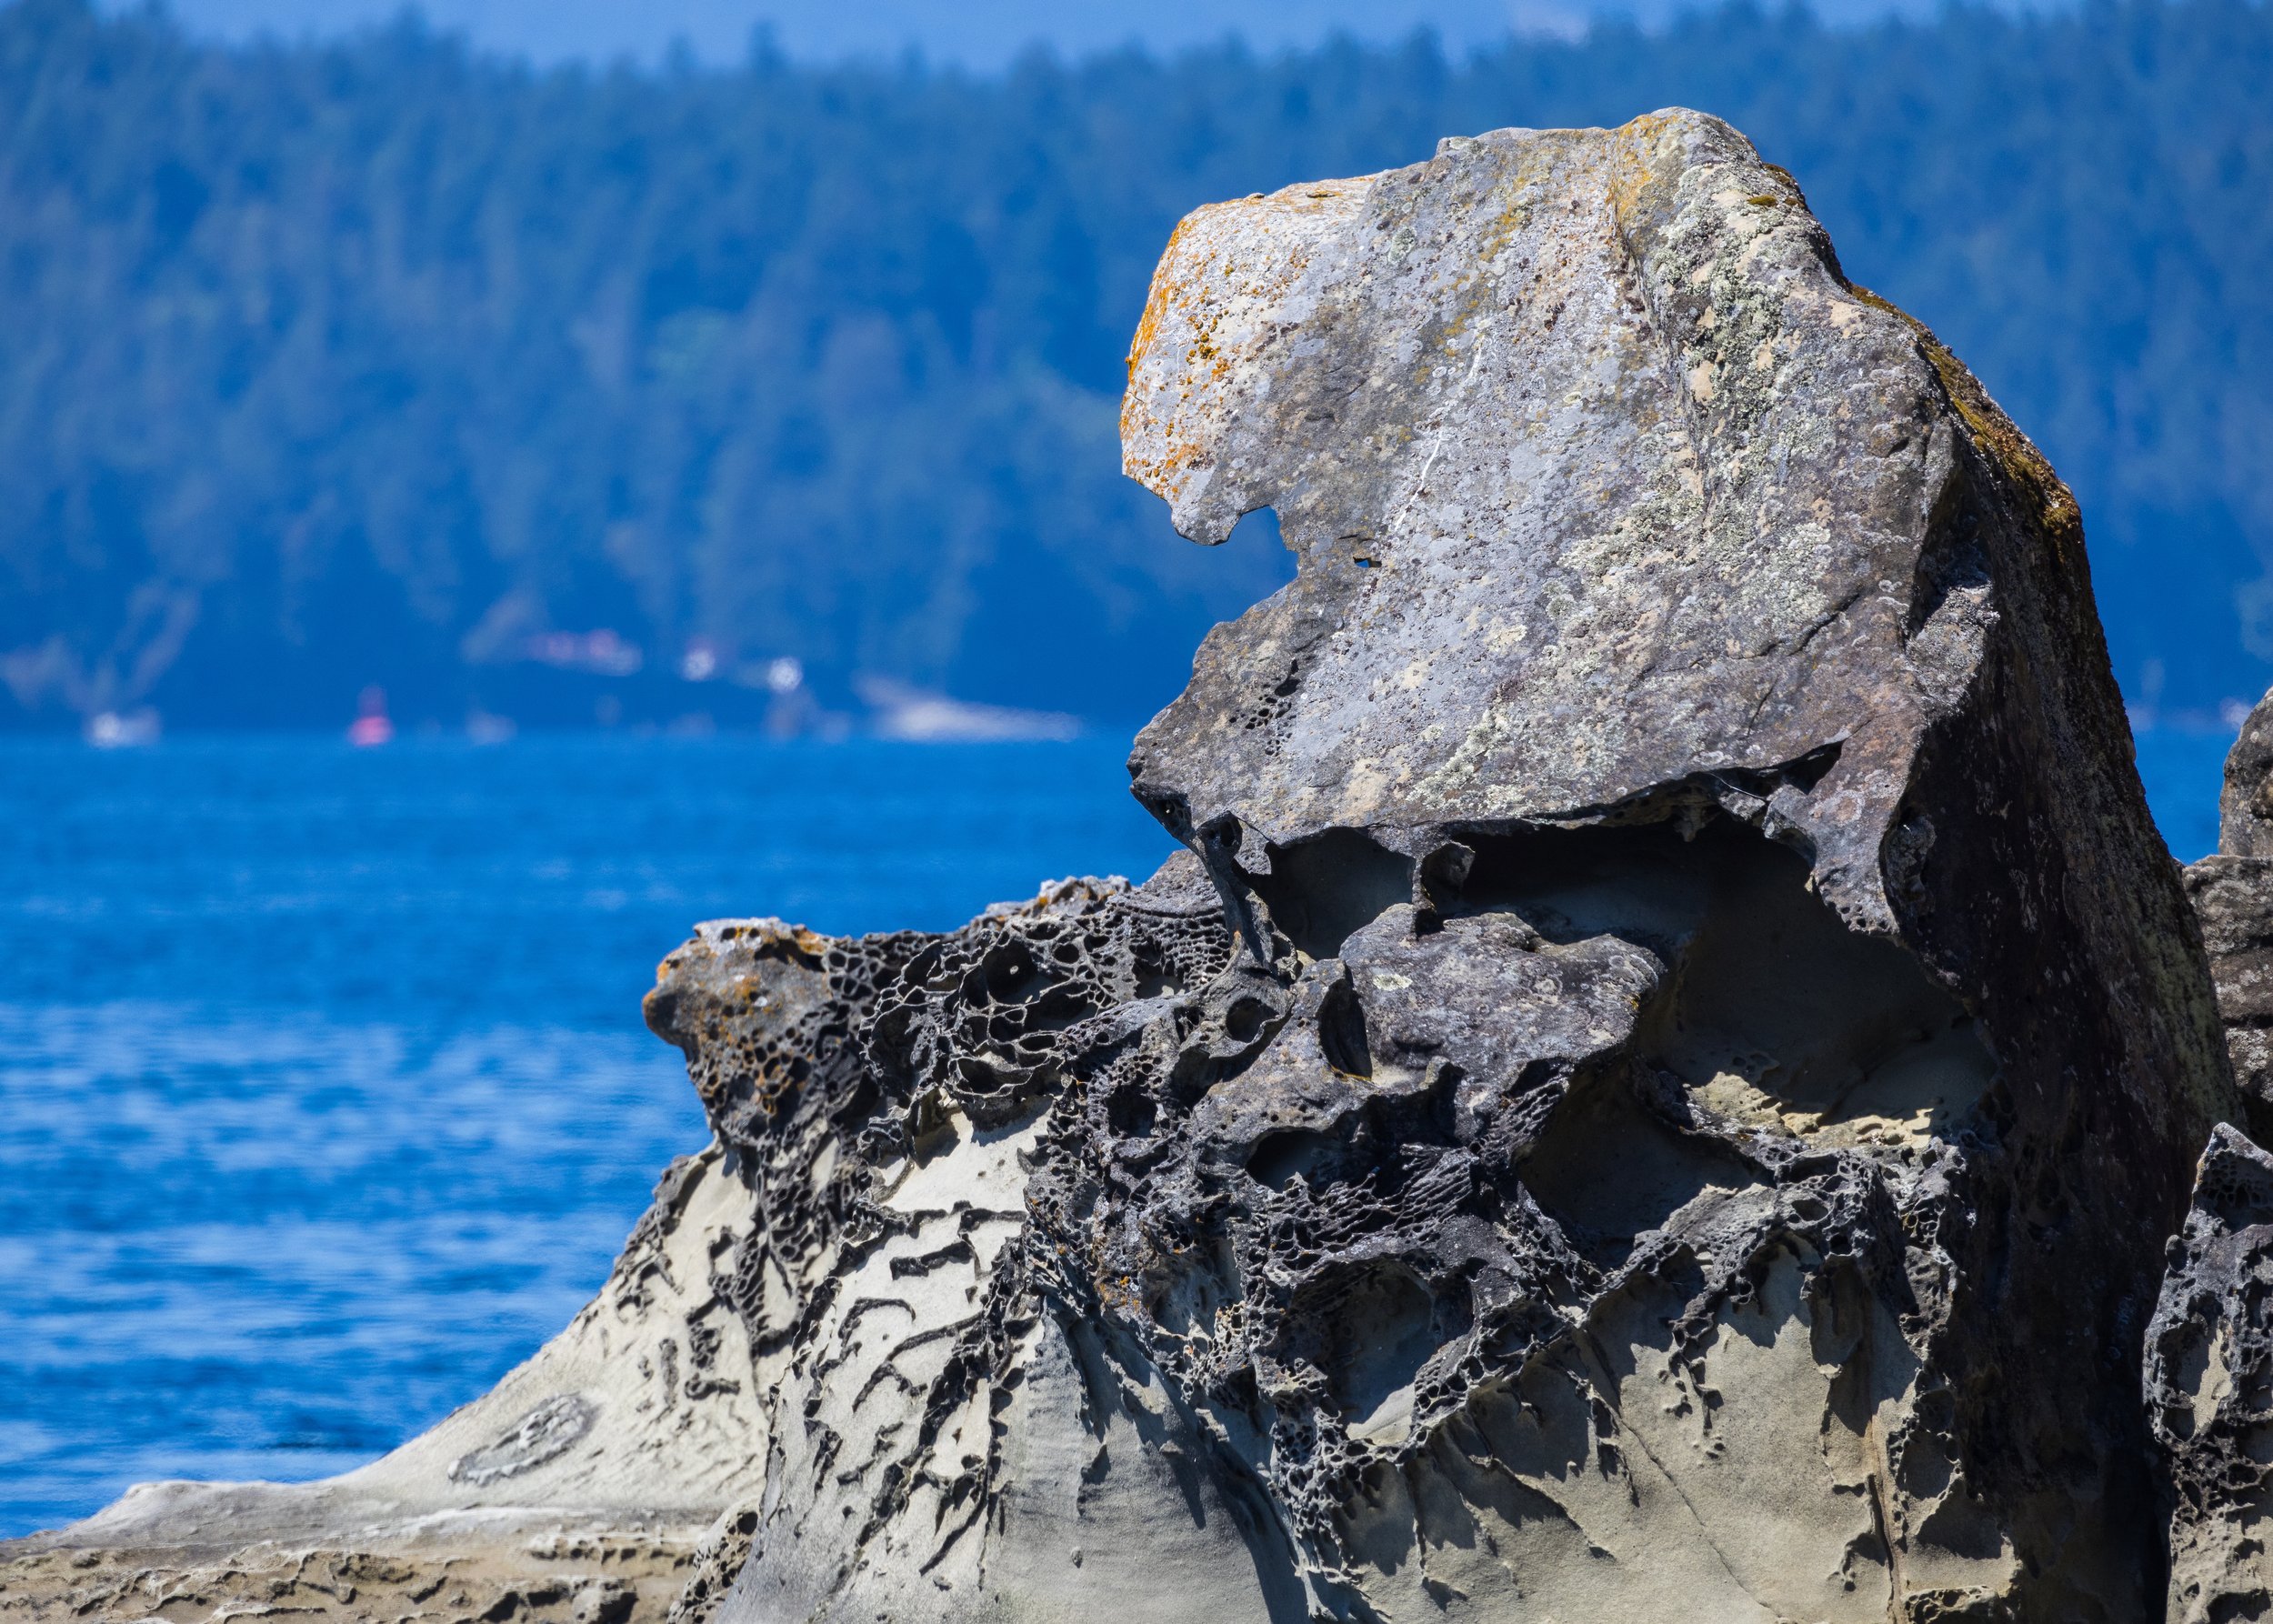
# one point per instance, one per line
(1657, 1088)
(580, 1487)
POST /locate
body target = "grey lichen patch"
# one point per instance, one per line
(551, 1430)
(1600, 433)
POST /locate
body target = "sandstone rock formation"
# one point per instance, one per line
(2232, 892)
(1691, 620)
(2209, 1388)
(2209, 1351)
(1655, 1088)
(582, 1486)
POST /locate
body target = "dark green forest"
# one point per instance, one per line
(383, 363)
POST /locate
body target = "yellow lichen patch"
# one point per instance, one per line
(768, 938)
(1632, 171)
(1363, 790)
(1741, 1101)
(1229, 272)
(1156, 300)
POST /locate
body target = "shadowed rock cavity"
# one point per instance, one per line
(1658, 1085)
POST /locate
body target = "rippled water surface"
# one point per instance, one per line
(324, 1097)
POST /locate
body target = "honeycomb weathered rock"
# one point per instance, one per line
(2210, 1352)
(2209, 1387)
(1702, 1023)
(1655, 1088)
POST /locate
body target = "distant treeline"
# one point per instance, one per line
(381, 363)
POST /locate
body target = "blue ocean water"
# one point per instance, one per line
(324, 1095)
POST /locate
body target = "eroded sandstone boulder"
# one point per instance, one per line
(1671, 603)
(1658, 1083)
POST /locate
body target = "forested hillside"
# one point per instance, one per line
(382, 364)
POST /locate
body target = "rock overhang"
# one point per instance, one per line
(1603, 481)
(1655, 1091)
(1640, 549)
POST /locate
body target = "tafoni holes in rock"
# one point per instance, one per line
(1664, 1081)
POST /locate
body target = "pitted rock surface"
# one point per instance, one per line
(2209, 1387)
(2232, 893)
(2209, 1354)
(1629, 525)
(1658, 1085)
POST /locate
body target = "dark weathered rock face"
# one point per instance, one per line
(945, 1439)
(2232, 893)
(1637, 545)
(2209, 1388)
(2210, 1352)
(1692, 1009)
(2233, 896)
(1659, 1084)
